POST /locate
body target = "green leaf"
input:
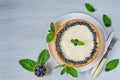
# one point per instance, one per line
(107, 21)
(89, 7)
(52, 27)
(71, 71)
(72, 40)
(63, 71)
(80, 43)
(27, 64)
(112, 64)
(49, 31)
(43, 57)
(59, 66)
(76, 41)
(50, 37)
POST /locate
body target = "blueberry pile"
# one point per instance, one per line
(59, 49)
(40, 70)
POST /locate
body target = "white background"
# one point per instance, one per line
(23, 29)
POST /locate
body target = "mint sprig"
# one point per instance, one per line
(89, 7)
(51, 33)
(77, 42)
(112, 64)
(107, 21)
(30, 64)
(68, 69)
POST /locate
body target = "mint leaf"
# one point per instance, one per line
(71, 71)
(72, 40)
(89, 7)
(43, 57)
(107, 21)
(50, 37)
(112, 64)
(49, 31)
(77, 42)
(27, 64)
(80, 43)
(52, 27)
(59, 66)
(63, 71)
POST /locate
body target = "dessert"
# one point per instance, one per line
(73, 54)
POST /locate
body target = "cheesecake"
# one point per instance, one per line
(77, 43)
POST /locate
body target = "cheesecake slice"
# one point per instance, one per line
(77, 54)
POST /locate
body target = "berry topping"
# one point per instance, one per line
(40, 70)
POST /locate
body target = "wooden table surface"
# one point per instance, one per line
(23, 29)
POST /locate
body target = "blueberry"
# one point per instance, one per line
(76, 40)
(66, 60)
(60, 52)
(57, 43)
(40, 70)
(87, 58)
(77, 63)
(91, 29)
(87, 25)
(83, 23)
(68, 25)
(62, 31)
(74, 63)
(80, 62)
(94, 38)
(95, 46)
(94, 33)
(90, 57)
(65, 28)
(62, 56)
(95, 43)
(84, 61)
(93, 50)
(76, 23)
(58, 47)
(92, 53)
(75, 44)
(59, 37)
(79, 23)
(71, 61)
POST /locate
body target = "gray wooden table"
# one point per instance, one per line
(23, 29)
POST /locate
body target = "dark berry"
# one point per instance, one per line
(40, 70)
(75, 44)
(76, 40)
(87, 58)
(94, 33)
(91, 55)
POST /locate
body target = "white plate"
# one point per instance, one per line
(90, 19)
